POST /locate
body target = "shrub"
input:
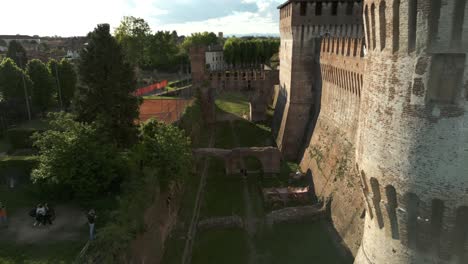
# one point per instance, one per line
(75, 157)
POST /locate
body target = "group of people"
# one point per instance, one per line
(3, 215)
(44, 214)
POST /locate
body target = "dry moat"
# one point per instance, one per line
(226, 219)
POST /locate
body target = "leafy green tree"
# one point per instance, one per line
(166, 149)
(12, 91)
(42, 84)
(11, 80)
(162, 51)
(133, 34)
(74, 158)
(67, 79)
(250, 51)
(17, 53)
(205, 38)
(108, 83)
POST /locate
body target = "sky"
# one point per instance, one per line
(78, 17)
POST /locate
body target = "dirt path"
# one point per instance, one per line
(250, 218)
(187, 256)
(70, 224)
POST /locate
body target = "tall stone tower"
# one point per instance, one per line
(302, 23)
(198, 64)
(412, 145)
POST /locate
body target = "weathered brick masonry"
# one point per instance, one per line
(392, 133)
(412, 142)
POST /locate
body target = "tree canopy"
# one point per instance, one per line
(17, 53)
(108, 83)
(205, 39)
(11, 81)
(67, 79)
(73, 156)
(133, 34)
(243, 52)
(42, 84)
(166, 149)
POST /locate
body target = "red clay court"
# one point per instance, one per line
(166, 110)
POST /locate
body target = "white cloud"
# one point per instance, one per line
(237, 23)
(78, 17)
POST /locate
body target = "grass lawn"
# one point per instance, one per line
(224, 137)
(232, 102)
(176, 242)
(282, 179)
(223, 194)
(253, 135)
(221, 246)
(47, 253)
(299, 243)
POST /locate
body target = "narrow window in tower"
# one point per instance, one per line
(412, 21)
(460, 234)
(412, 207)
(373, 26)
(383, 25)
(365, 189)
(356, 45)
(303, 8)
(434, 17)
(334, 10)
(375, 186)
(343, 47)
(396, 25)
(392, 205)
(349, 9)
(457, 27)
(318, 8)
(348, 50)
(437, 216)
(366, 18)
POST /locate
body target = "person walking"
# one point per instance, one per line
(3, 215)
(40, 215)
(49, 215)
(91, 222)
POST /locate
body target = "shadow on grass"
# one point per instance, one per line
(221, 246)
(298, 243)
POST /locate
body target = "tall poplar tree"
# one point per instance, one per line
(108, 81)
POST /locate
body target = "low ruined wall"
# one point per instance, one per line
(295, 214)
(329, 161)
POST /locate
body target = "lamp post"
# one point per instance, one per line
(20, 56)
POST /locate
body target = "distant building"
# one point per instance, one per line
(29, 43)
(214, 58)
